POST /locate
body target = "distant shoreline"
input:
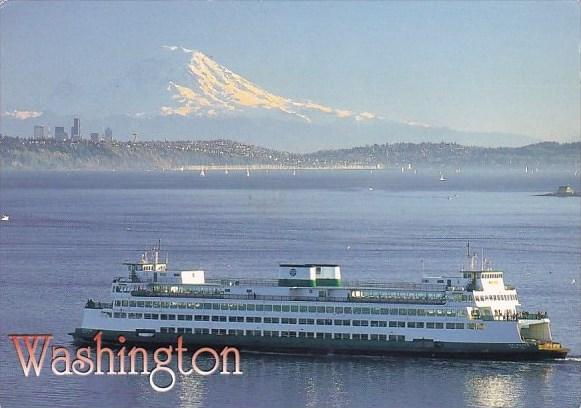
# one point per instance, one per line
(221, 155)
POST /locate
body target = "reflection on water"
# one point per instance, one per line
(192, 391)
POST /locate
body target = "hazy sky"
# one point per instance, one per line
(486, 66)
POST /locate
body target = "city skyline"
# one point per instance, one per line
(508, 68)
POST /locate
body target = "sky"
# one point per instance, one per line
(509, 67)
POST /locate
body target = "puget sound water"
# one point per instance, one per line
(69, 232)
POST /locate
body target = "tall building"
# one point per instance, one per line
(108, 135)
(38, 133)
(76, 129)
(94, 137)
(60, 134)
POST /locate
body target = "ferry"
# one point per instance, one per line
(311, 309)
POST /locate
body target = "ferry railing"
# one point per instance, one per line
(355, 284)
(427, 301)
(91, 304)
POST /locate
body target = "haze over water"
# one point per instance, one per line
(69, 232)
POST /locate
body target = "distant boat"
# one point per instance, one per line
(442, 178)
(371, 188)
(226, 171)
(453, 196)
(5, 217)
(247, 172)
(202, 173)
(294, 172)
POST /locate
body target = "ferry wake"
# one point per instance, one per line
(310, 309)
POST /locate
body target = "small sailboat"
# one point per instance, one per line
(294, 172)
(5, 217)
(202, 173)
(442, 178)
(226, 171)
(247, 172)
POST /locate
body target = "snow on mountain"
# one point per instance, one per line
(214, 89)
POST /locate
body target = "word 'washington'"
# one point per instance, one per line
(63, 364)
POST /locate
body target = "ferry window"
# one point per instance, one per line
(347, 310)
(312, 309)
(173, 305)
(384, 311)
(400, 324)
(310, 321)
(302, 321)
(294, 308)
(382, 337)
(338, 322)
(320, 321)
(318, 270)
(181, 317)
(132, 303)
(419, 325)
(207, 306)
(356, 310)
(421, 312)
(403, 312)
(248, 307)
(450, 326)
(117, 303)
(364, 322)
(330, 309)
(412, 325)
(439, 325)
(275, 320)
(232, 306)
(459, 325)
(356, 323)
(392, 324)
(320, 309)
(163, 317)
(338, 310)
(451, 313)
(302, 334)
(430, 325)
(337, 336)
(365, 310)
(259, 308)
(286, 308)
(303, 309)
(276, 308)
(393, 312)
(171, 317)
(148, 304)
(155, 304)
(268, 308)
(412, 312)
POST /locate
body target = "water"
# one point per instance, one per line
(68, 233)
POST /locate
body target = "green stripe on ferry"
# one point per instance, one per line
(309, 283)
(328, 282)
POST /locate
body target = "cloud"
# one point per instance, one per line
(23, 115)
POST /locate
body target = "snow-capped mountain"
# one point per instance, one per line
(179, 93)
(214, 89)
